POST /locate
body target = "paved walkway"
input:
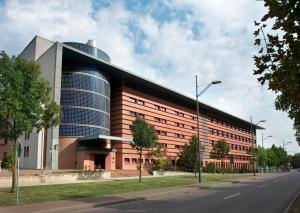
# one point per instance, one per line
(87, 203)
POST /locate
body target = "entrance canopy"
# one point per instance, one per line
(105, 137)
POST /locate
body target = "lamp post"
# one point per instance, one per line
(284, 144)
(198, 131)
(262, 143)
(251, 129)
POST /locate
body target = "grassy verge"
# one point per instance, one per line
(37, 194)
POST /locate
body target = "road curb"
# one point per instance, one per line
(292, 202)
(92, 205)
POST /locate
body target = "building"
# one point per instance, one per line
(99, 101)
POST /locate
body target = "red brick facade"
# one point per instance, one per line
(175, 125)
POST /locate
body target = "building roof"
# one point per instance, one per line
(169, 94)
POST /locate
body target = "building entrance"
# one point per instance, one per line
(99, 161)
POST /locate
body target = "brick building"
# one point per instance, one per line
(99, 101)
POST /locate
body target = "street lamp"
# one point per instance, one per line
(262, 143)
(198, 131)
(284, 144)
(253, 162)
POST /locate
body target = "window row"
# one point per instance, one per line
(232, 126)
(137, 101)
(136, 114)
(135, 161)
(232, 146)
(160, 120)
(230, 135)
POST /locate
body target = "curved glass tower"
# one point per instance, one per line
(85, 96)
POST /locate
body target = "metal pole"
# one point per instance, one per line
(253, 163)
(18, 170)
(198, 131)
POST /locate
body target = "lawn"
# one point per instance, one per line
(37, 194)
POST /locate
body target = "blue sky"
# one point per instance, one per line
(167, 41)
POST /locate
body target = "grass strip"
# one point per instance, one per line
(38, 194)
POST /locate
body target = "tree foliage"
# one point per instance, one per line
(188, 157)
(24, 98)
(295, 161)
(278, 59)
(144, 137)
(220, 151)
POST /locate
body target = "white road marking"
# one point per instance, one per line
(261, 186)
(232, 196)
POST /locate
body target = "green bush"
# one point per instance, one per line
(162, 164)
(210, 168)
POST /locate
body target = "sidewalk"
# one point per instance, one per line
(87, 203)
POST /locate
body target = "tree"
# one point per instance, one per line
(278, 59)
(188, 157)
(50, 117)
(295, 161)
(260, 155)
(220, 151)
(281, 155)
(161, 161)
(144, 137)
(23, 97)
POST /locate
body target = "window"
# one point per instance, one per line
(193, 128)
(163, 132)
(26, 151)
(157, 107)
(157, 119)
(193, 117)
(179, 135)
(139, 102)
(127, 160)
(139, 115)
(27, 135)
(163, 109)
(133, 160)
(179, 124)
(133, 100)
(179, 113)
(164, 121)
(132, 113)
(147, 161)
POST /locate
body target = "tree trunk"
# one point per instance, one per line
(45, 148)
(140, 166)
(223, 166)
(14, 169)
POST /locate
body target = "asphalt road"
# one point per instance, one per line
(268, 195)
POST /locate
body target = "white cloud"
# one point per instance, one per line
(173, 54)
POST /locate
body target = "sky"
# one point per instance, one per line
(167, 41)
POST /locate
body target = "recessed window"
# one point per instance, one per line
(139, 102)
(26, 151)
(133, 100)
(27, 135)
(127, 160)
(132, 113)
(133, 160)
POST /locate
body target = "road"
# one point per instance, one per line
(272, 195)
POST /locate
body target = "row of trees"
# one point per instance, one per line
(271, 157)
(25, 104)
